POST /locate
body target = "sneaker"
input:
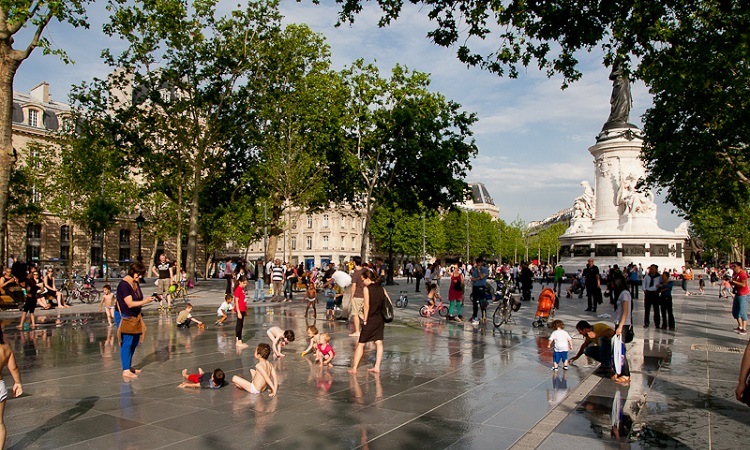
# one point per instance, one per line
(737, 330)
(742, 332)
(554, 369)
(565, 367)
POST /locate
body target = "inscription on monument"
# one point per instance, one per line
(659, 250)
(633, 250)
(582, 250)
(606, 250)
(565, 250)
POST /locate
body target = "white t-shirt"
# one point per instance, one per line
(224, 308)
(342, 279)
(561, 340)
(623, 298)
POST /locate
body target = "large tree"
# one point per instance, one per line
(170, 96)
(16, 16)
(692, 54)
(410, 147)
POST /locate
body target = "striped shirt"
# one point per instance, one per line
(277, 273)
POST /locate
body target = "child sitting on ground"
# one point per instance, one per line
(325, 352)
(312, 298)
(202, 380)
(330, 302)
(563, 343)
(262, 377)
(108, 303)
(184, 318)
(312, 334)
(279, 338)
(225, 307)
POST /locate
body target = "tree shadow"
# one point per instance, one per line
(80, 408)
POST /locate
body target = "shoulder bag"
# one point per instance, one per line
(387, 310)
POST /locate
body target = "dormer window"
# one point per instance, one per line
(33, 118)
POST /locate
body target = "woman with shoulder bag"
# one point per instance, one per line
(128, 317)
(373, 324)
(623, 322)
(456, 294)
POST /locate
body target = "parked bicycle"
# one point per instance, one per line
(403, 300)
(81, 290)
(509, 302)
(179, 291)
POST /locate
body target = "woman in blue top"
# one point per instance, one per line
(129, 302)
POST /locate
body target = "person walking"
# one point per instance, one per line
(164, 271)
(527, 281)
(373, 325)
(622, 319)
(456, 294)
(357, 294)
(409, 269)
(665, 301)
(277, 280)
(593, 281)
(128, 318)
(229, 275)
(418, 274)
(479, 275)
(741, 293)
(559, 275)
(651, 296)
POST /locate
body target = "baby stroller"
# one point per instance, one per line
(546, 309)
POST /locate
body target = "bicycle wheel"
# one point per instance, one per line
(443, 311)
(499, 316)
(423, 311)
(93, 296)
(181, 294)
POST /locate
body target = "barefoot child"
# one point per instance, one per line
(312, 298)
(203, 380)
(279, 338)
(223, 310)
(563, 343)
(185, 318)
(240, 307)
(108, 303)
(7, 360)
(330, 302)
(325, 353)
(262, 377)
(312, 334)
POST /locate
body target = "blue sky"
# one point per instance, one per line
(532, 135)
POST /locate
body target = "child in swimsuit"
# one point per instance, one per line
(312, 298)
(330, 302)
(262, 377)
(312, 334)
(325, 353)
(203, 380)
(108, 303)
(7, 360)
(279, 338)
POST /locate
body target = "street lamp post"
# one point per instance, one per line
(391, 229)
(139, 221)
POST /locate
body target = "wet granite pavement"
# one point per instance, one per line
(442, 385)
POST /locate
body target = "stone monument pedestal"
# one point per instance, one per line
(621, 227)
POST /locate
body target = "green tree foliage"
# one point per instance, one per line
(402, 139)
(169, 99)
(725, 232)
(692, 54)
(291, 150)
(15, 17)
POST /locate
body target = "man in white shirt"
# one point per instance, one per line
(651, 296)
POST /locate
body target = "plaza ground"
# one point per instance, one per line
(442, 385)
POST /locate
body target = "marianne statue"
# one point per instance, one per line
(621, 99)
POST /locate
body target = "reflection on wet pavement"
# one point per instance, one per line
(442, 385)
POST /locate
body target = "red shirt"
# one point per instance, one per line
(239, 294)
(741, 275)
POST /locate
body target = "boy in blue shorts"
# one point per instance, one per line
(330, 294)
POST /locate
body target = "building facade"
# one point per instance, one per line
(47, 240)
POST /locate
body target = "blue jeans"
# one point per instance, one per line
(288, 289)
(259, 296)
(128, 346)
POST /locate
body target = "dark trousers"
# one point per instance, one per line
(601, 352)
(229, 284)
(239, 325)
(667, 314)
(593, 296)
(408, 277)
(419, 280)
(651, 299)
(477, 293)
(634, 288)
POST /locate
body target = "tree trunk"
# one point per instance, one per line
(273, 242)
(8, 67)
(178, 256)
(366, 232)
(193, 220)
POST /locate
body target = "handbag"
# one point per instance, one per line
(387, 311)
(629, 335)
(458, 286)
(132, 325)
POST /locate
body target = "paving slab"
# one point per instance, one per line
(442, 385)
